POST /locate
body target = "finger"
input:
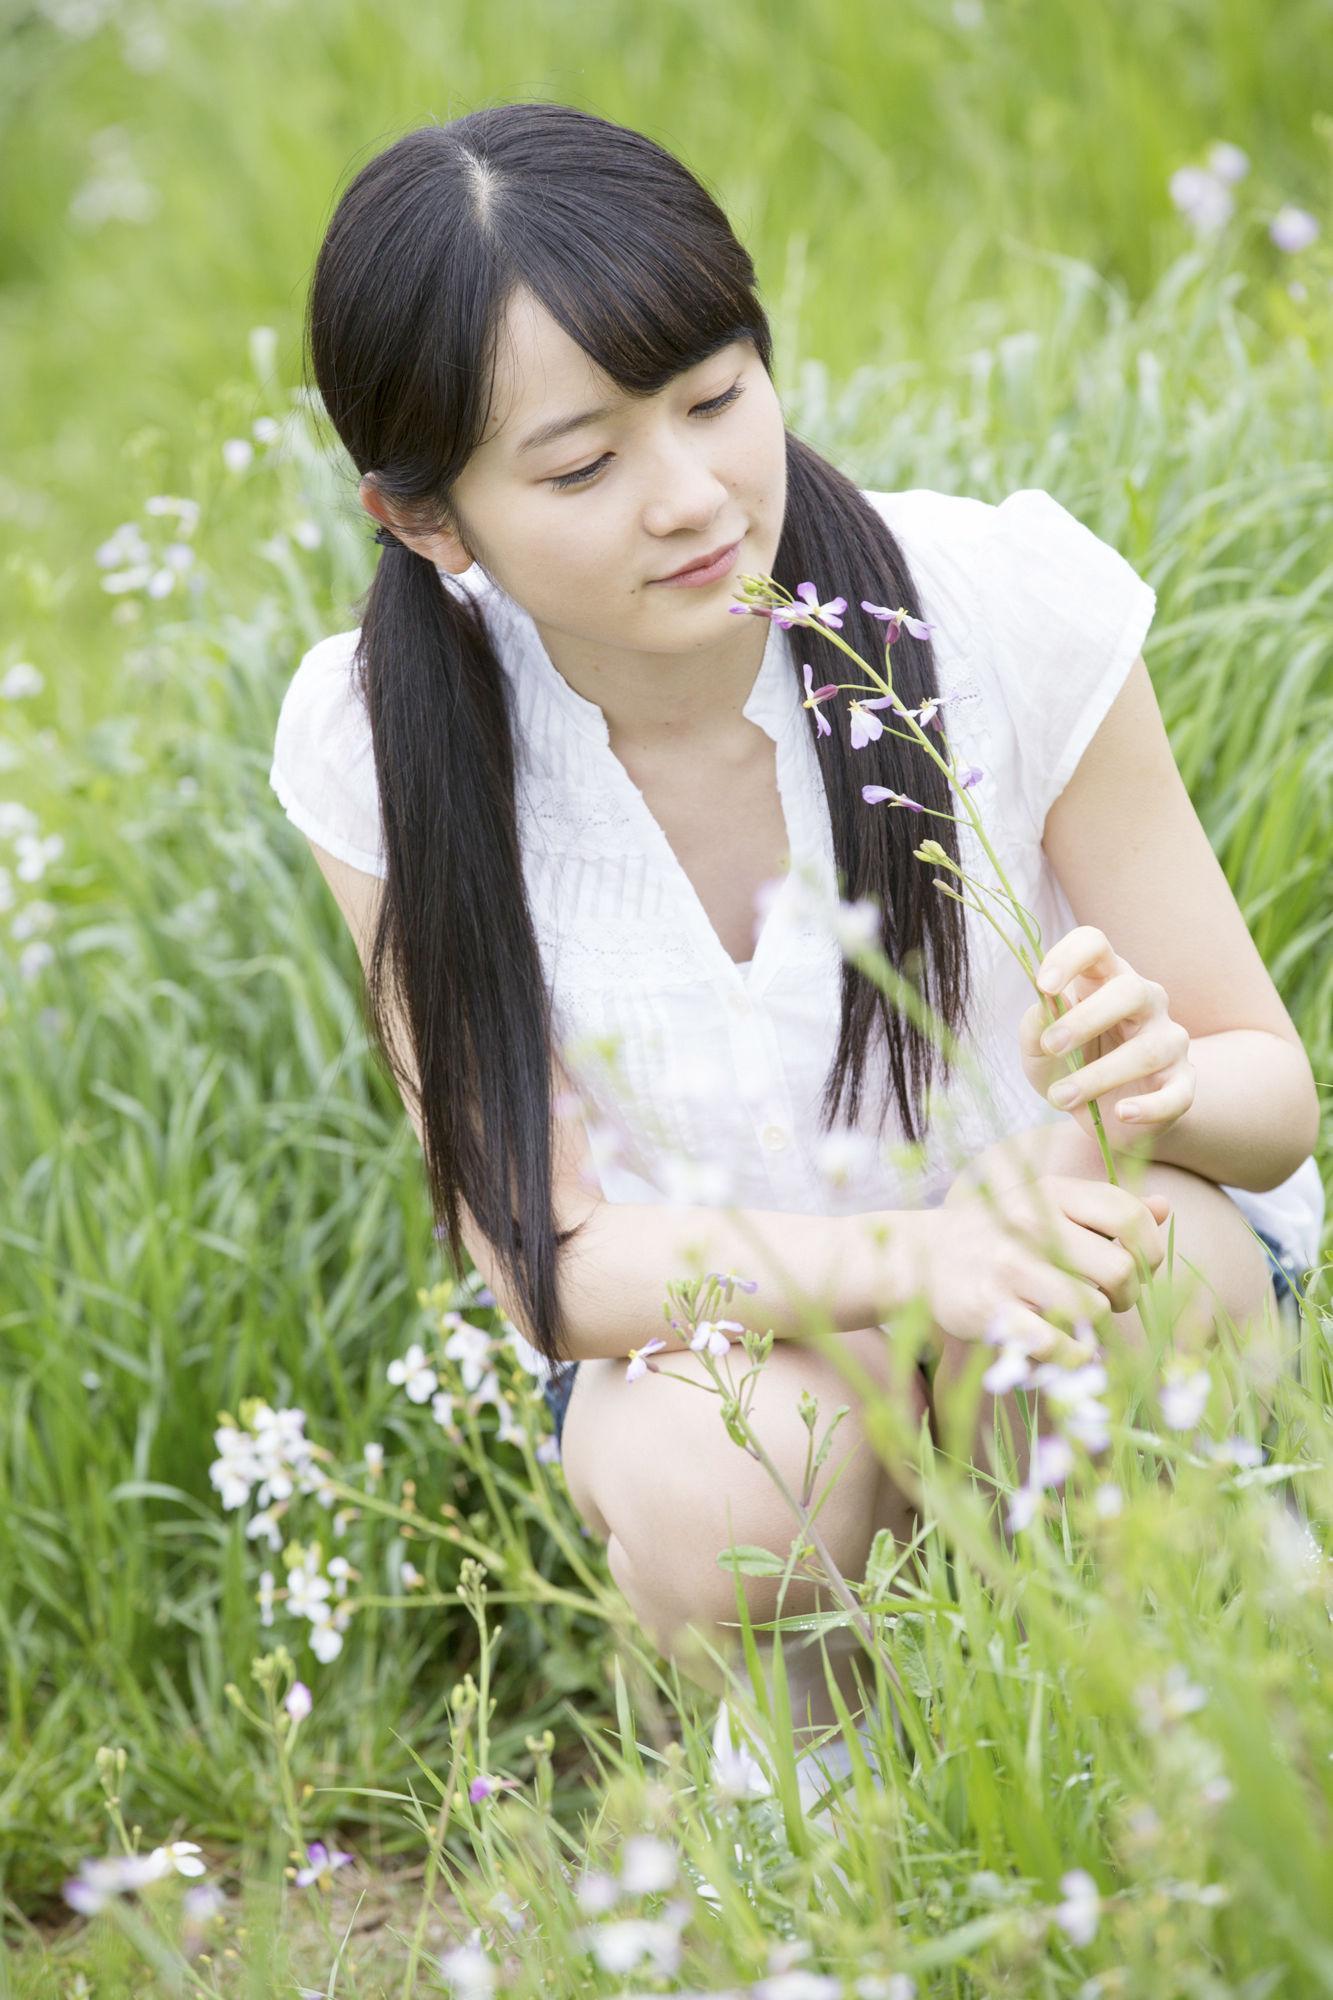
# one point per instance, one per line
(1084, 950)
(1144, 1056)
(1114, 1211)
(1039, 1338)
(1157, 1107)
(1060, 1295)
(1126, 997)
(1090, 1258)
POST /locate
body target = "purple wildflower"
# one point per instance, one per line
(1293, 229)
(811, 611)
(322, 1864)
(920, 628)
(865, 727)
(814, 695)
(875, 794)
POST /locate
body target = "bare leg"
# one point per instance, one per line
(651, 1469)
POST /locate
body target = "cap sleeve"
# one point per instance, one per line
(1067, 616)
(323, 767)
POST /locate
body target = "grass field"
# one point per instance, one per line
(1116, 1772)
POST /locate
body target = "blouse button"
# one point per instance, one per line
(775, 1137)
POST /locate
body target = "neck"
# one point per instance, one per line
(664, 701)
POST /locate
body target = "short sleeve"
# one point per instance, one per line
(1067, 616)
(323, 767)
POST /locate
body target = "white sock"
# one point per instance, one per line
(836, 1757)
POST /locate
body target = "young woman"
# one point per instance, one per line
(552, 783)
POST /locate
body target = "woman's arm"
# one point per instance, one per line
(856, 1268)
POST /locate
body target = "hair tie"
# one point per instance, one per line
(387, 538)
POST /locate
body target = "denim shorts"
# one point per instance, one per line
(560, 1385)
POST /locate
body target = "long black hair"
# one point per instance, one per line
(634, 259)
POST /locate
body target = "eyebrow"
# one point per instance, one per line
(547, 433)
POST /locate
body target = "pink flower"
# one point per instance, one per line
(299, 1701)
(875, 794)
(729, 1278)
(322, 1864)
(1293, 229)
(811, 611)
(638, 1362)
(814, 695)
(865, 727)
(710, 1338)
(1202, 198)
(920, 628)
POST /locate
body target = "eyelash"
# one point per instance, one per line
(585, 474)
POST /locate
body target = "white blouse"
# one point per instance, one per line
(700, 1078)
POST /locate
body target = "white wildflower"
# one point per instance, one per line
(1227, 161)
(326, 1641)
(596, 1892)
(298, 1701)
(647, 1864)
(1176, 1696)
(470, 1346)
(413, 1373)
(35, 853)
(34, 958)
(1201, 198)
(264, 1523)
(710, 1336)
(1077, 1916)
(184, 1856)
(185, 510)
(468, 1972)
(1293, 229)
(37, 915)
(99, 1880)
(1184, 1396)
(798, 1984)
(626, 1942)
(23, 678)
(125, 545)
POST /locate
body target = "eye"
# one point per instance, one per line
(587, 473)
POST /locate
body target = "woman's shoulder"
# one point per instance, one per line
(323, 768)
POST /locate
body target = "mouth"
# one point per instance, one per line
(706, 568)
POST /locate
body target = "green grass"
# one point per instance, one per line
(210, 1193)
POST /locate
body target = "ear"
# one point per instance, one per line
(442, 547)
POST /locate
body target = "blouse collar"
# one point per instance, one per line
(771, 702)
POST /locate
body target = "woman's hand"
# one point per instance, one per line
(1136, 1058)
(1028, 1260)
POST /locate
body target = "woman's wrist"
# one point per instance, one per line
(888, 1253)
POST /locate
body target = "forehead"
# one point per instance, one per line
(540, 372)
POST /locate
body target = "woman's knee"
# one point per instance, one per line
(705, 1494)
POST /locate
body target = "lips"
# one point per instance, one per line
(702, 562)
